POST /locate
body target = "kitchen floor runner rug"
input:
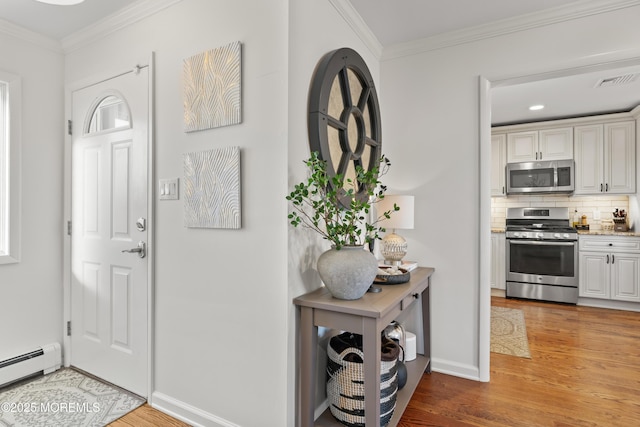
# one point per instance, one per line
(509, 332)
(66, 398)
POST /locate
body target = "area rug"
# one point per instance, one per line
(64, 398)
(509, 332)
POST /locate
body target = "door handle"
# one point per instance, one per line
(141, 250)
(607, 258)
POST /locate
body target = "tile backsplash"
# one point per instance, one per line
(591, 206)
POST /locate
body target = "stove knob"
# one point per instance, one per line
(565, 235)
(557, 235)
(539, 235)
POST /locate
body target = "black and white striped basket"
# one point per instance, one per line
(345, 379)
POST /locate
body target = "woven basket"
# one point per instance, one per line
(345, 379)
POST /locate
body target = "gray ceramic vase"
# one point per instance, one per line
(347, 272)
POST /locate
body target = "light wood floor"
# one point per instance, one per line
(146, 416)
(584, 371)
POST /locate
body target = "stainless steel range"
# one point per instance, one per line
(542, 255)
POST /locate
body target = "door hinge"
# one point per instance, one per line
(69, 328)
(69, 228)
(69, 127)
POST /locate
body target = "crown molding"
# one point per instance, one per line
(29, 36)
(507, 26)
(357, 24)
(121, 19)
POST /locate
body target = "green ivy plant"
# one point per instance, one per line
(316, 203)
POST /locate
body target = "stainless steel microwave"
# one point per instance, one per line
(554, 176)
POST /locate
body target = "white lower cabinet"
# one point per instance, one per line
(609, 268)
(498, 271)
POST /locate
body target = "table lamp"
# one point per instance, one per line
(394, 247)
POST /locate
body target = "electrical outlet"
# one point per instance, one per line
(168, 189)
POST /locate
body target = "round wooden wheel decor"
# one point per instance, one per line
(344, 118)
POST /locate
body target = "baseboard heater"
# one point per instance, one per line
(43, 360)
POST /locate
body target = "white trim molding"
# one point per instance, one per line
(506, 26)
(355, 21)
(447, 367)
(126, 16)
(187, 413)
(484, 230)
(29, 36)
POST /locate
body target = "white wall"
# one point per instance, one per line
(31, 290)
(221, 295)
(316, 28)
(430, 126)
(225, 325)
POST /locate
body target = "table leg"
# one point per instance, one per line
(307, 358)
(371, 346)
(426, 324)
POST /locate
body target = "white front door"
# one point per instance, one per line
(109, 287)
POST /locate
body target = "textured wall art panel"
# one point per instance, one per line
(212, 88)
(212, 188)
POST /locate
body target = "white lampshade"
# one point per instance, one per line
(402, 219)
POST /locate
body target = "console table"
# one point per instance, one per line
(367, 316)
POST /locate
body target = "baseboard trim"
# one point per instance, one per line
(610, 304)
(187, 413)
(468, 372)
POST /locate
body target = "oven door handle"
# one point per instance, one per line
(541, 242)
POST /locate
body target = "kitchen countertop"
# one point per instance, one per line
(608, 233)
(590, 232)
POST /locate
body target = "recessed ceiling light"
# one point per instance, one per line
(536, 107)
(61, 2)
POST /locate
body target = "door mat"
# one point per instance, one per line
(67, 398)
(509, 332)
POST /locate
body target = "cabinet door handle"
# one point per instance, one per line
(541, 155)
(607, 258)
(503, 189)
(536, 155)
(601, 187)
(606, 187)
(613, 258)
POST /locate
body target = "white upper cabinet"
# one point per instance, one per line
(605, 158)
(589, 159)
(522, 147)
(556, 144)
(546, 144)
(498, 163)
(620, 157)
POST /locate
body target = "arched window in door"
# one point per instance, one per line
(111, 112)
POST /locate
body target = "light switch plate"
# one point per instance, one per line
(168, 189)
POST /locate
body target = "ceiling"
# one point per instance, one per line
(58, 22)
(399, 21)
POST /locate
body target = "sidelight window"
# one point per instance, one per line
(10, 93)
